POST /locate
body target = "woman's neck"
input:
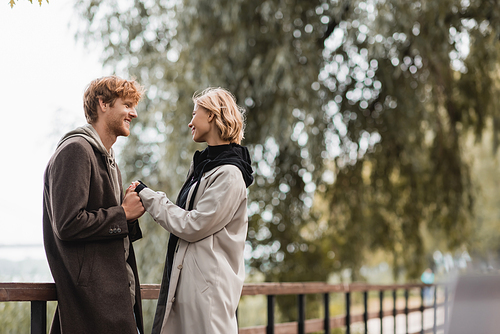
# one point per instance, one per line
(214, 151)
(217, 141)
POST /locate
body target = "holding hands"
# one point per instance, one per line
(133, 185)
(132, 204)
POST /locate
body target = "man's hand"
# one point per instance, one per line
(132, 204)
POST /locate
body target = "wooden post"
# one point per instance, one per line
(347, 313)
(270, 314)
(365, 313)
(326, 302)
(38, 317)
(302, 313)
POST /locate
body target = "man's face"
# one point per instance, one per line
(119, 117)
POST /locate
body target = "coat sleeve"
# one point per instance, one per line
(68, 184)
(214, 209)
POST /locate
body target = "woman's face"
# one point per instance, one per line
(200, 124)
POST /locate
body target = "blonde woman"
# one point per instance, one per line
(204, 271)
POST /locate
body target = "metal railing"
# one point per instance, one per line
(271, 290)
(39, 293)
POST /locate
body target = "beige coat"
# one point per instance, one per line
(208, 270)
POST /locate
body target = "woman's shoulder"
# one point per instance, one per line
(228, 170)
(225, 173)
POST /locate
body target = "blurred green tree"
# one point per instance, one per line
(15, 317)
(357, 113)
(485, 242)
(13, 2)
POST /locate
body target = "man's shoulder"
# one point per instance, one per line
(72, 148)
(75, 142)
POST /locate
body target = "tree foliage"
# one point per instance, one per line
(485, 243)
(13, 2)
(357, 112)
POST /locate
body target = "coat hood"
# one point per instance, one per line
(90, 134)
(234, 154)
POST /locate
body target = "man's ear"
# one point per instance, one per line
(104, 106)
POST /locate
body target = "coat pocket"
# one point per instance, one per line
(197, 275)
(86, 264)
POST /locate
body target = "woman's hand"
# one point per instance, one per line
(132, 187)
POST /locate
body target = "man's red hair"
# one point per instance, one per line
(109, 89)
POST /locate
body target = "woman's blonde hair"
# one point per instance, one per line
(229, 117)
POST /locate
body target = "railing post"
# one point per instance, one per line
(381, 314)
(435, 309)
(38, 317)
(347, 313)
(326, 299)
(445, 305)
(406, 308)
(302, 314)
(270, 314)
(394, 305)
(365, 314)
(422, 308)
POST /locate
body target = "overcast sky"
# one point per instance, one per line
(43, 73)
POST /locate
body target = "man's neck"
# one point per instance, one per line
(107, 138)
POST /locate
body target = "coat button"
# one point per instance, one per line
(110, 231)
(173, 299)
(179, 266)
(118, 230)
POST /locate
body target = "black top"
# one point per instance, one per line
(199, 159)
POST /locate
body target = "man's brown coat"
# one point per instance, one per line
(83, 229)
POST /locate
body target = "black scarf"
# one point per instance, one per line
(208, 159)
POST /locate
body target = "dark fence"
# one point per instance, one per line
(39, 293)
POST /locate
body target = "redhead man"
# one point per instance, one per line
(88, 224)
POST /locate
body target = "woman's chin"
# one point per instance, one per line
(198, 140)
